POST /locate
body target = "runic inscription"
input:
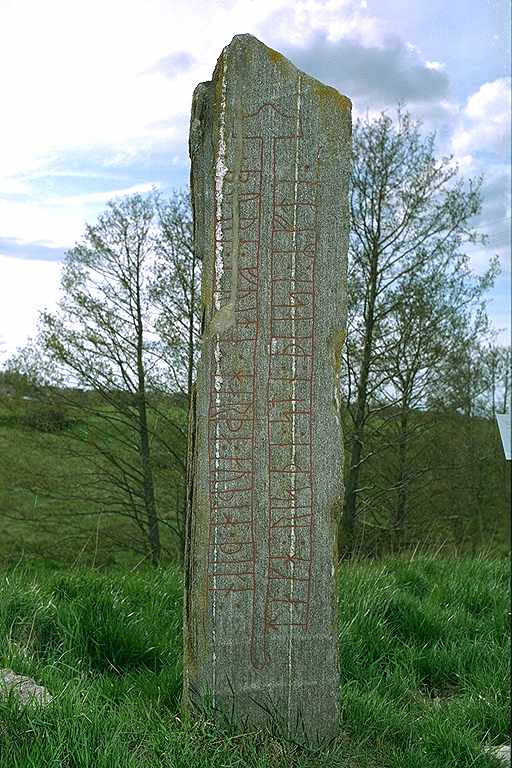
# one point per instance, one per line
(291, 246)
(269, 148)
(231, 417)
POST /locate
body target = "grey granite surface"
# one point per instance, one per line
(270, 150)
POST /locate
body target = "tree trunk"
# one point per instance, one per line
(147, 471)
(494, 374)
(401, 505)
(149, 491)
(348, 521)
(349, 513)
(505, 384)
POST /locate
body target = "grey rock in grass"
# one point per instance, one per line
(23, 689)
(502, 754)
(270, 150)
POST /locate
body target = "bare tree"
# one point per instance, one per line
(104, 340)
(176, 291)
(410, 215)
(497, 359)
(463, 395)
(432, 310)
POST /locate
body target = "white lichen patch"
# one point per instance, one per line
(217, 385)
(292, 549)
(220, 173)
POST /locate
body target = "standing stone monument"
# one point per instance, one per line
(270, 151)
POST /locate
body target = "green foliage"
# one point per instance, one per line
(46, 419)
(424, 662)
(417, 326)
(458, 484)
(114, 335)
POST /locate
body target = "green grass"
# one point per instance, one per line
(424, 658)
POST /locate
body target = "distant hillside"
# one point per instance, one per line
(458, 487)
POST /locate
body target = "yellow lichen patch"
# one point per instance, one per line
(327, 95)
(206, 293)
(339, 340)
(276, 57)
(218, 77)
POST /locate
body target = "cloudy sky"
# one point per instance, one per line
(96, 98)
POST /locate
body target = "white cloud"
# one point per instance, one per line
(491, 101)
(37, 220)
(437, 66)
(485, 121)
(480, 143)
(10, 185)
(466, 163)
(293, 24)
(83, 77)
(27, 287)
(93, 198)
(58, 220)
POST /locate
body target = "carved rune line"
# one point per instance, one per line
(281, 597)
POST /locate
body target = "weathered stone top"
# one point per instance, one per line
(247, 40)
(253, 49)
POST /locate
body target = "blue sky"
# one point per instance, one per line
(96, 98)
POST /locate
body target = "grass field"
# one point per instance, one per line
(46, 512)
(424, 659)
